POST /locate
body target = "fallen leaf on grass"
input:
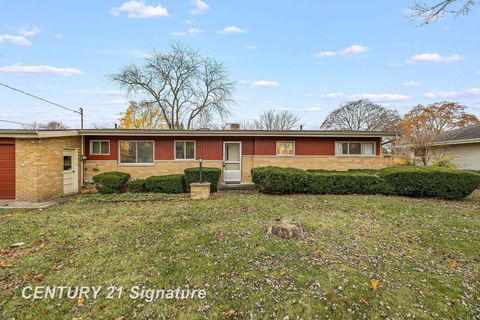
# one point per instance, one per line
(374, 284)
(229, 314)
(120, 318)
(5, 264)
(453, 263)
(365, 302)
(38, 278)
(18, 244)
(80, 301)
(26, 277)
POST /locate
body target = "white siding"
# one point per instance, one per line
(465, 156)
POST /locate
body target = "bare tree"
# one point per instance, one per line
(181, 84)
(428, 13)
(274, 120)
(361, 115)
(102, 125)
(51, 125)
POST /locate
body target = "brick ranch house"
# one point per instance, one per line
(37, 165)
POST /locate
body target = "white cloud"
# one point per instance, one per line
(352, 50)
(231, 30)
(433, 57)
(324, 54)
(189, 32)
(41, 69)
(312, 109)
(20, 40)
(118, 93)
(199, 7)
(178, 34)
(308, 94)
(110, 102)
(477, 72)
(469, 93)
(28, 31)
(355, 49)
(394, 64)
(251, 46)
(334, 95)
(243, 81)
(375, 97)
(194, 31)
(139, 9)
(58, 36)
(265, 84)
(410, 84)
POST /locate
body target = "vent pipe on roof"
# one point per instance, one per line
(116, 126)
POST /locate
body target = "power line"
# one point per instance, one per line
(79, 111)
(15, 122)
(39, 98)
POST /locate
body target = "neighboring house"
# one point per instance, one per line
(462, 146)
(39, 165)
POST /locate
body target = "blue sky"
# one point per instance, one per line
(305, 56)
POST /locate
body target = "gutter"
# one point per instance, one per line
(240, 133)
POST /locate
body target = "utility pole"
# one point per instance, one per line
(81, 117)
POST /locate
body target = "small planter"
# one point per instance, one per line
(199, 190)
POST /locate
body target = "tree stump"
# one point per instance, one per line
(285, 228)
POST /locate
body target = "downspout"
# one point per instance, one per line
(82, 161)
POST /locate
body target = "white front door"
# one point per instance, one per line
(232, 161)
(70, 180)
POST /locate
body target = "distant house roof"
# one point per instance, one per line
(204, 133)
(470, 134)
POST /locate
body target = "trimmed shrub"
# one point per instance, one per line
(280, 180)
(345, 183)
(211, 175)
(367, 171)
(406, 181)
(444, 162)
(111, 182)
(137, 186)
(430, 182)
(172, 183)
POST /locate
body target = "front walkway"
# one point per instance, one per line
(12, 204)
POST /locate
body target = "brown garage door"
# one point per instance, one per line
(7, 168)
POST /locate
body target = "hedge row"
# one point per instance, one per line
(117, 182)
(407, 181)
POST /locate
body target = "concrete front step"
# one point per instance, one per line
(236, 186)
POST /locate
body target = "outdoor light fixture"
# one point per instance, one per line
(200, 161)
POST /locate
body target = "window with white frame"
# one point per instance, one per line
(184, 150)
(354, 148)
(99, 147)
(136, 152)
(285, 148)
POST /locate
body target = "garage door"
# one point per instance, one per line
(7, 169)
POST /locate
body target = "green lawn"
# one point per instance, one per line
(424, 253)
